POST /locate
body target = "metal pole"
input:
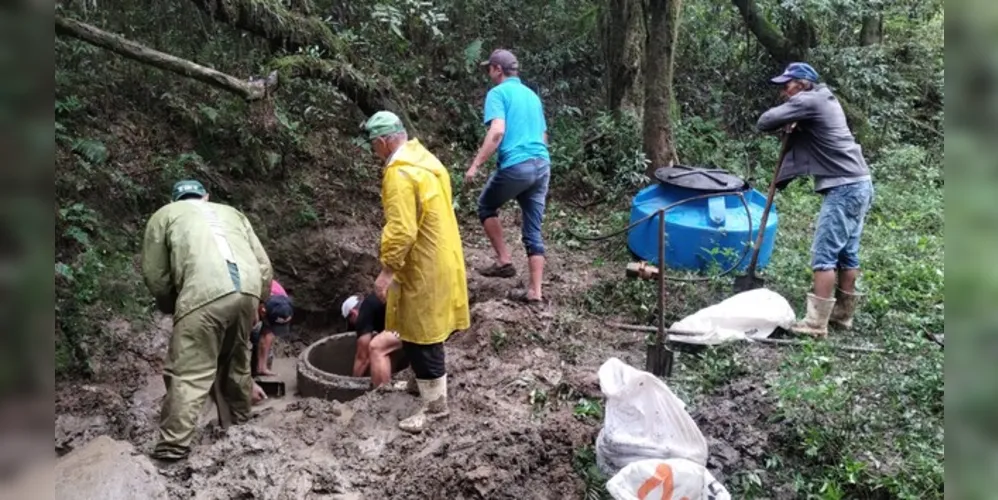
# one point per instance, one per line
(660, 340)
(659, 357)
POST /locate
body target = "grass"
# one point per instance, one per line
(584, 464)
(856, 425)
(872, 425)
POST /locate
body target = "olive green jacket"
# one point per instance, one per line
(195, 252)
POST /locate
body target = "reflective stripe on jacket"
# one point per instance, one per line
(196, 251)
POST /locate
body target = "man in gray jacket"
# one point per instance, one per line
(822, 146)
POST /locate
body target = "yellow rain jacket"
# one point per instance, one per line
(421, 244)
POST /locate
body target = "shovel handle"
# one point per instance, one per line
(769, 204)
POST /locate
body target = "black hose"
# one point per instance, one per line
(663, 210)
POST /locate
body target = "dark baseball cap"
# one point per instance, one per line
(278, 311)
(186, 187)
(796, 71)
(504, 59)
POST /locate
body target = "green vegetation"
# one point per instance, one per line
(584, 463)
(856, 425)
(853, 426)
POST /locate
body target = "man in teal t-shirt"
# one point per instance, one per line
(518, 131)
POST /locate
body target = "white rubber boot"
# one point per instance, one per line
(815, 324)
(434, 394)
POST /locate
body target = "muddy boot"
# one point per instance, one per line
(411, 386)
(845, 309)
(815, 324)
(407, 383)
(434, 394)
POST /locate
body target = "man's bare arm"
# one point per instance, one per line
(497, 129)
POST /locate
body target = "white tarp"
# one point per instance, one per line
(752, 314)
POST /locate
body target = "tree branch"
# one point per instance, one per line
(250, 90)
(290, 30)
(779, 46)
(271, 20)
(370, 95)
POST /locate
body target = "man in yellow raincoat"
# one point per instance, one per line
(204, 265)
(422, 276)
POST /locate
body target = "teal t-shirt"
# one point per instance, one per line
(523, 112)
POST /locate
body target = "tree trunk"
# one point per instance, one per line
(872, 30)
(779, 47)
(250, 90)
(660, 49)
(623, 35)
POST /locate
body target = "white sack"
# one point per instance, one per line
(643, 419)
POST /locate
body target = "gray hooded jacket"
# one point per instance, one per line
(821, 145)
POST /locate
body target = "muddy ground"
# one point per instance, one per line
(514, 379)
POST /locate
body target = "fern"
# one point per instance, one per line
(91, 150)
(473, 55)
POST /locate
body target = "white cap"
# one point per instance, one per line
(349, 304)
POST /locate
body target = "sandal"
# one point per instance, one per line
(498, 271)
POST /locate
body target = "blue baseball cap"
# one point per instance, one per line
(796, 71)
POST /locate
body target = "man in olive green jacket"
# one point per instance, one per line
(204, 264)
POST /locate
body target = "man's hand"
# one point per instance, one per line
(382, 283)
(258, 394)
(469, 176)
(789, 128)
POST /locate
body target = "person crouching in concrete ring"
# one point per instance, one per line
(422, 279)
(203, 264)
(365, 314)
(821, 145)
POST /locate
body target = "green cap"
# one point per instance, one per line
(383, 123)
(189, 186)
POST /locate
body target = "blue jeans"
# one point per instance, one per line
(528, 183)
(840, 225)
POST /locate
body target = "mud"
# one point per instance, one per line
(109, 469)
(513, 378)
(738, 421)
(320, 269)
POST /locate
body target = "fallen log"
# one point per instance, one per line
(250, 90)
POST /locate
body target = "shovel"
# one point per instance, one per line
(750, 281)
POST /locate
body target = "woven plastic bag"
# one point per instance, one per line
(643, 420)
(672, 479)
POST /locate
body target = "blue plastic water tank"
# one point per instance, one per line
(700, 232)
